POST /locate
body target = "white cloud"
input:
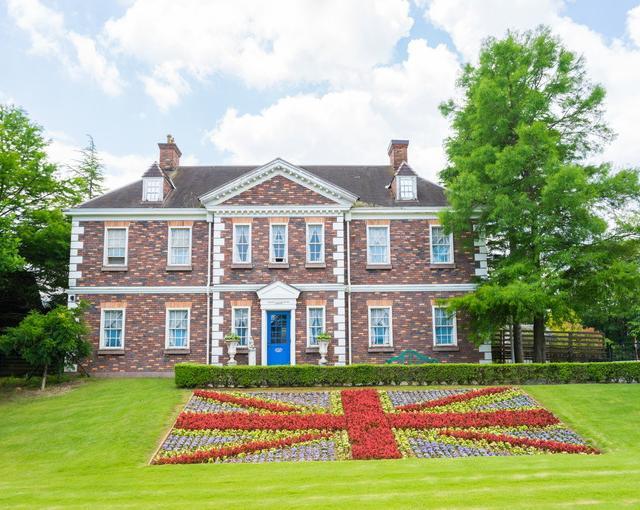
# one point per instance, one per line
(633, 25)
(77, 53)
(614, 64)
(353, 125)
(261, 43)
(468, 22)
(119, 169)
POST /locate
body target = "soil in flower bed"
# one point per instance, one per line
(276, 426)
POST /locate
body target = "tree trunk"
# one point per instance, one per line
(44, 378)
(516, 338)
(538, 339)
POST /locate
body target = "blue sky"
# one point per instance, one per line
(311, 81)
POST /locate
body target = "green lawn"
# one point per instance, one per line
(89, 447)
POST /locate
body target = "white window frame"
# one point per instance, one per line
(451, 251)
(233, 322)
(105, 257)
(175, 227)
(324, 322)
(414, 187)
(124, 322)
(321, 261)
(455, 328)
(235, 251)
(388, 261)
(390, 308)
(286, 243)
(166, 327)
(152, 180)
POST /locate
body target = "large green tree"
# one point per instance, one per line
(523, 133)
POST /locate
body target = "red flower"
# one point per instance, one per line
(247, 421)
(533, 417)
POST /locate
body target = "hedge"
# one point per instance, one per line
(191, 375)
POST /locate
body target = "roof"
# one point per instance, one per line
(369, 183)
(153, 171)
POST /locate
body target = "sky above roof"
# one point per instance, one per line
(313, 82)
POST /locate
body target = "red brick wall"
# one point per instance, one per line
(297, 271)
(278, 190)
(412, 325)
(147, 256)
(410, 256)
(144, 342)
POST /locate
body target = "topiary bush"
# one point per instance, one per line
(193, 375)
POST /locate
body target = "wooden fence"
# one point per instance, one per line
(560, 346)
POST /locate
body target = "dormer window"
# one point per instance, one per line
(406, 187)
(152, 189)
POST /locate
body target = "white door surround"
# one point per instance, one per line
(278, 296)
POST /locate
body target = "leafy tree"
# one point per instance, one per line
(89, 172)
(34, 234)
(50, 340)
(527, 122)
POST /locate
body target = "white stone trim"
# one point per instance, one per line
(339, 335)
(218, 242)
(278, 167)
(139, 290)
(338, 249)
(217, 333)
(74, 258)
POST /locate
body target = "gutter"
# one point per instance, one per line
(208, 328)
(348, 221)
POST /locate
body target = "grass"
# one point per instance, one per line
(89, 447)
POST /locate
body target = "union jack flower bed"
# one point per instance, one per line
(275, 426)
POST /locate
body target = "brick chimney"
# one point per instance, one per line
(169, 154)
(397, 153)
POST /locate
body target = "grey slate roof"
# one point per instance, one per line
(369, 183)
(153, 171)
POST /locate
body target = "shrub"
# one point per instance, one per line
(192, 375)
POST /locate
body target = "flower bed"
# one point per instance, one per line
(363, 424)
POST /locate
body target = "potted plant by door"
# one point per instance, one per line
(232, 347)
(323, 346)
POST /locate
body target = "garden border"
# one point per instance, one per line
(193, 375)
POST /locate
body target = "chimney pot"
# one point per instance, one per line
(169, 154)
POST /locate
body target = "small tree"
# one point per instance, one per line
(50, 340)
(89, 171)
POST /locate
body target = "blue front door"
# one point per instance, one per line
(278, 338)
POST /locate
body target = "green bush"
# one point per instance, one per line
(192, 375)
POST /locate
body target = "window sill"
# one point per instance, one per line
(442, 266)
(242, 265)
(278, 265)
(110, 352)
(179, 268)
(178, 351)
(242, 349)
(445, 348)
(315, 265)
(379, 266)
(381, 348)
(115, 268)
(312, 349)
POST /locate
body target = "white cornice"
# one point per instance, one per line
(141, 213)
(254, 287)
(279, 210)
(270, 170)
(417, 287)
(395, 213)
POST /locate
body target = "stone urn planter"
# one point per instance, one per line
(323, 347)
(232, 341)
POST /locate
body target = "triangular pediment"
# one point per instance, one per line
(278, 290)
(278, 182)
